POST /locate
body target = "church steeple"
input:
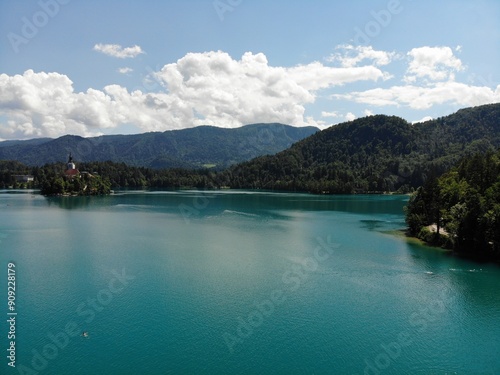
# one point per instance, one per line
(70, 165)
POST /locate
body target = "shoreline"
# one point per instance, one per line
(403, 232)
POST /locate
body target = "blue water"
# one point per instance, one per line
(237, 282)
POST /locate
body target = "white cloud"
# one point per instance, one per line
(367, 112)
(235, 92)
(201, 88)
(215, 89)
(432, 63)
(426, 118)
(330, 114)
(315, 76)
(351, 56)
(118, 51)
(125, 70)
(350, 116)
(430, 81)
(417, 97)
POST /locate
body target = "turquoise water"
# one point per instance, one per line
(237, 282)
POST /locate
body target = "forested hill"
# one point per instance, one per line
(203, 146)
(374, 154)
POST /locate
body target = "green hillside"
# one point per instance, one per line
(188, 148)
(373, 154)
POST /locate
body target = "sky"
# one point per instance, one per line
(92, 67)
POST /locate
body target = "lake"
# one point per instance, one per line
(236, 282)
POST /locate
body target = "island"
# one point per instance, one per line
(72, 182)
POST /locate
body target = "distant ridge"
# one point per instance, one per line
(202, 146)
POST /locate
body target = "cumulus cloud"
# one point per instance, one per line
(44, 104)
(118, 51)
(429, 81)
(212, 88)
(432, 63)
(200, 88)
(350, 116)
(224, 90)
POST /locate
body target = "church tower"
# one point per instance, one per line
(70, 164)
(71, 170)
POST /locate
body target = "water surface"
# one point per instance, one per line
(239, 282)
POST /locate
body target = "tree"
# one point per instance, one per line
(466, 201)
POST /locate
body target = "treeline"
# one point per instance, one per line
(84, 184)
(105, 175)
(464, 205)
(50, 180)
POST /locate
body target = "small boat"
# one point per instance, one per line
(85, 334)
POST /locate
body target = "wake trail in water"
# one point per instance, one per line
(231, 212)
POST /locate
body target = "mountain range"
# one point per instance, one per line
(203, 146)
(371, 154)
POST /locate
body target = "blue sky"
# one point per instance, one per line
(112, 67)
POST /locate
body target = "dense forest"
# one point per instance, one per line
(373, 154)
(464, 205)
(105, 175)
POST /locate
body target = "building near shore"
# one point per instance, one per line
(24, 178)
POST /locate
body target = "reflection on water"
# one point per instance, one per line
(267, 200)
